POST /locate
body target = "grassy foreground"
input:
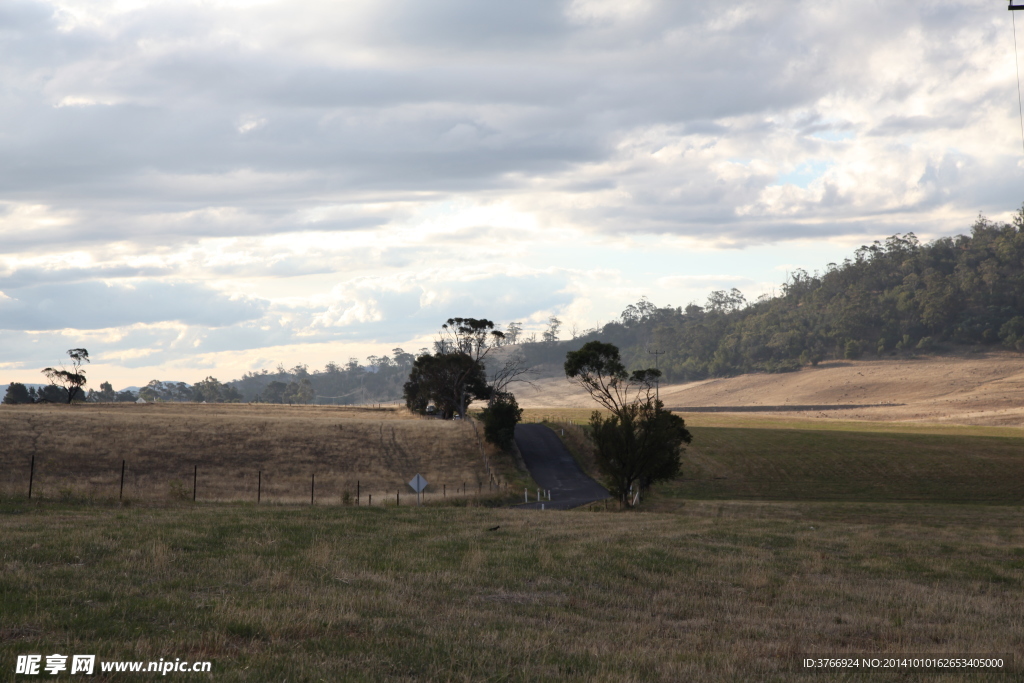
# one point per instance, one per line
(718, 591)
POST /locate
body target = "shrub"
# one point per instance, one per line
(500, 420)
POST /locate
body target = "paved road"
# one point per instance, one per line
(552, 467)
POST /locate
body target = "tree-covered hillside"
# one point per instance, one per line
(895, 297)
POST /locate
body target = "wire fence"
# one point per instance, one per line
(209, 483)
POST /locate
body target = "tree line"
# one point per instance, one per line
(897, 297)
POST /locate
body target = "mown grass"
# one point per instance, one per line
(800, 464)
(717, 591)
(757, 458)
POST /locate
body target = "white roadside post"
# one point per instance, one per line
(418, 483)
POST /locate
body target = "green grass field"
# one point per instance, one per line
(756, 458)
(717, 591)
(807, 464)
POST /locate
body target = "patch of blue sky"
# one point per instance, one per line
(804, 174)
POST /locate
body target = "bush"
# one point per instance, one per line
(1012, 333)
(500, 420)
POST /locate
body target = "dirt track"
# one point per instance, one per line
(984, 389)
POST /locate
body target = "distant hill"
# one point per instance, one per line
(894, 298)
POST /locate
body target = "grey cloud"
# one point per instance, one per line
(900, 125)
(24, 277)
(479, 25)
(387, 129)
(456, 98)
(93, 305)
(215, 323)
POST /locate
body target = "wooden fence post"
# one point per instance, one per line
(120, 495)
(31, 476)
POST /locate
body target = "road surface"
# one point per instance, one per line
(552, 467)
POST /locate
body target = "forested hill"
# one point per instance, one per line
(896, 297)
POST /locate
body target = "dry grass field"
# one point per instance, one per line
(788, 535)
(227, 447)
(718, 591)
(974, 389)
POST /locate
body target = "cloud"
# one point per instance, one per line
(389, 310)
(212, 177)
(94, 305)
(687, 282)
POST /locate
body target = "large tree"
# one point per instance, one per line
(71, 380)
(448, 380)
(639, 442)
(455, 374)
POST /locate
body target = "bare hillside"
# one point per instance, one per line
(964, 389)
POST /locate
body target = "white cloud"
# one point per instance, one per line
(275, 171)
(703, 281)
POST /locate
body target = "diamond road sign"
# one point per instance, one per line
(418, 483)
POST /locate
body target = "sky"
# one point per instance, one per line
(220, 186)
